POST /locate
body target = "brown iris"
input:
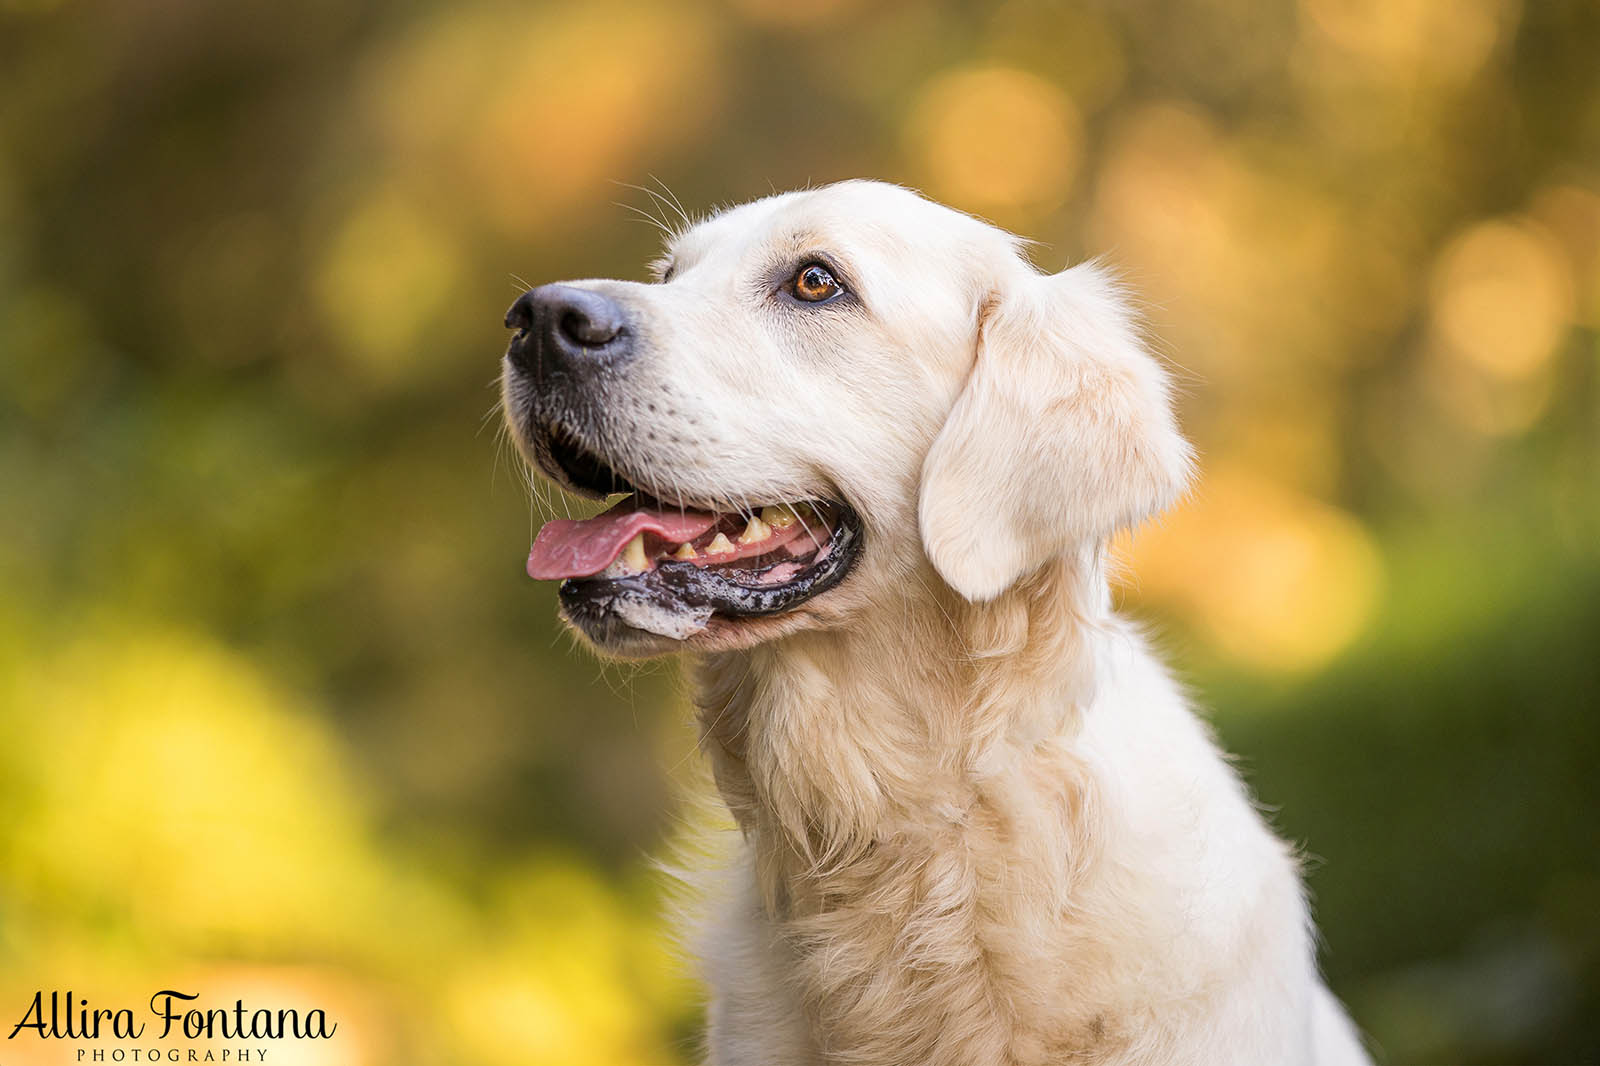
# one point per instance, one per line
(813, 284)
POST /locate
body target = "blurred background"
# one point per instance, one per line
(280, 716)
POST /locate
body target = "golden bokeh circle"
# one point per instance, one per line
(995, 137)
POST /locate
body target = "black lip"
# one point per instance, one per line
(583, 469)
(593, 603)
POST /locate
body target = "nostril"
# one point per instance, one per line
(589, 330)
(521, 314)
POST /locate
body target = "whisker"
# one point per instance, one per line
(645, 216)
(663, 223)
(676, 204)
(806, 526)
(677, 491)
(666, 204)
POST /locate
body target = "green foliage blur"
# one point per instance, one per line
(281, 717)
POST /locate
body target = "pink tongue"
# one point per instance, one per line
(565, 548)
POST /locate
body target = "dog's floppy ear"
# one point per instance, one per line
(1063, 434)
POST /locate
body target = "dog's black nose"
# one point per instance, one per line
(561, 327)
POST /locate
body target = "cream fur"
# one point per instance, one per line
(979, 824)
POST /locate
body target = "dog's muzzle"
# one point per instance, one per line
(652, 564)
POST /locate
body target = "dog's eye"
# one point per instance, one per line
(814, 284)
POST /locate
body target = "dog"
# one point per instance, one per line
(872, 460)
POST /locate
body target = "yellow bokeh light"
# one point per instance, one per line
(569, 115)
(996, 137)
(1501, 298)
(1275, 580)
(566, 984)
(365, 1035)
(1571, 215)
(1243, 261)
(1159, 203)
(1157, 191)
(1451, 38)
(183, 784)
(387, 272)
(533, 109)
(1293, 440)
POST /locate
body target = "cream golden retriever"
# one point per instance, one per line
(872, 459)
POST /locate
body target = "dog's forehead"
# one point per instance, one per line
(862, 218)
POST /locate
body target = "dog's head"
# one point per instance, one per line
(822, 390)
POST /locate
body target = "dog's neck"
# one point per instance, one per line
(825, 743)
(891, 777)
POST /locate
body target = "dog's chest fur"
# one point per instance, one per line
(935, 870)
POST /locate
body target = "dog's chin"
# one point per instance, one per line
(613, 638)
(610, 637)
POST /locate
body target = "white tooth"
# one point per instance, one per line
(685, 551)
(781, 516)
(633, 555)
(720, 545)
(755, 530)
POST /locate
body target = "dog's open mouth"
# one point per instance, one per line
(668, 569)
